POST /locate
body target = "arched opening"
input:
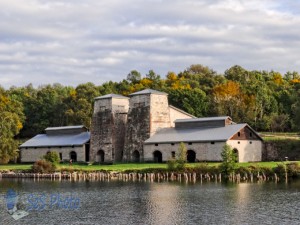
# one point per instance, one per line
(136, 156)
(157, 156)
(191, 156)
(100, 156)
(236, 152)
(73, 156)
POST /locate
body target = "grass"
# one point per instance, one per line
(131, 166)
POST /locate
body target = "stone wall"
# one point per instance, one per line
(248, 150)
(204, 151)
(207, 151)
(278, 150)
(176, 114)
(34, 154)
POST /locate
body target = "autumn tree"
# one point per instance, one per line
(11, 118)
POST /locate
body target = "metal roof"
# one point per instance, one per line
(203, 119)
(148, 91)
(66, 128)
(44, 140)
(111, 96)
(168, 135)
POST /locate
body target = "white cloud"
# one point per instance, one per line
(78, 41)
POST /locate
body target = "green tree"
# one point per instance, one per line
(229, 158)
(52, 157)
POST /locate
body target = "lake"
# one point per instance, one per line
(117, 202)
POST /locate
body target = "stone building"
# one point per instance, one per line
(108, 128)
(204, 139)
(120, 125)
(71, 142)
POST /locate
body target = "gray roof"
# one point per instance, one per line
(168, 135)
(148, 91)
(66, 128)
(111, 96)
(44, 140)
(203, 119)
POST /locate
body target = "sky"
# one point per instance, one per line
(77, 41)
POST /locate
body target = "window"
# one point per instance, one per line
(250, 134)
(190, 143)
(156, 144)
(238, 142)
(250, 142)
(212, 142)
(173, 154)
(172, 144)
(239, 134)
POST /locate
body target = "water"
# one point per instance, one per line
(155, 203)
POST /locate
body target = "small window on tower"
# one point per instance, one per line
(250, 134)
(239, 134)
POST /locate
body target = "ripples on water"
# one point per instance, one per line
(160, 203)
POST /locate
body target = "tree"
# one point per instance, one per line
(52, 157)
(134, 76)
(11, 118)
(229, 160)
(181, 156)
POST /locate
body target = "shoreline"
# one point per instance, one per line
(189, 177)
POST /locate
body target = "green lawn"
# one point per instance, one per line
(130, 166)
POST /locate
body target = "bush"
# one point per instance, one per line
(43, 166)
(52, 157)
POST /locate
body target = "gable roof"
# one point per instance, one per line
(148, 91)
(206, 134)
(44, 140)
(111, 96)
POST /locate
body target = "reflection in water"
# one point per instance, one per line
(163, 207)
(159, 203)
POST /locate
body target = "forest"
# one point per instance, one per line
(266, 100)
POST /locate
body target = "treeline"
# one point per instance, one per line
(268, 101)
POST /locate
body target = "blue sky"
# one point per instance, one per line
(78, 41)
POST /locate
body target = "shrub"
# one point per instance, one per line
(43, 166)
(229, 160)
(52, 157)
(171, 164)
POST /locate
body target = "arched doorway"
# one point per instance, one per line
(236, 152)
(136, 156)
(100, 156)
(73, 156)
(157, 156)
(191, 156)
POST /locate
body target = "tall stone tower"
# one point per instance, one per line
(108, 128)
(148, 112)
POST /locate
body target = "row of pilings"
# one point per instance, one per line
(135, 176)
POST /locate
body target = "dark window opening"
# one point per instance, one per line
(173, 154)
(212, 142)
(172, 144)
(156, 144)
(239, 134)
(60, 156)
(250, 142)
(238, 142)
(100, 156)
(191, 156)
(73, 156)
(250, 134)
(136, 156)
(157, 156)
(190, 143)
